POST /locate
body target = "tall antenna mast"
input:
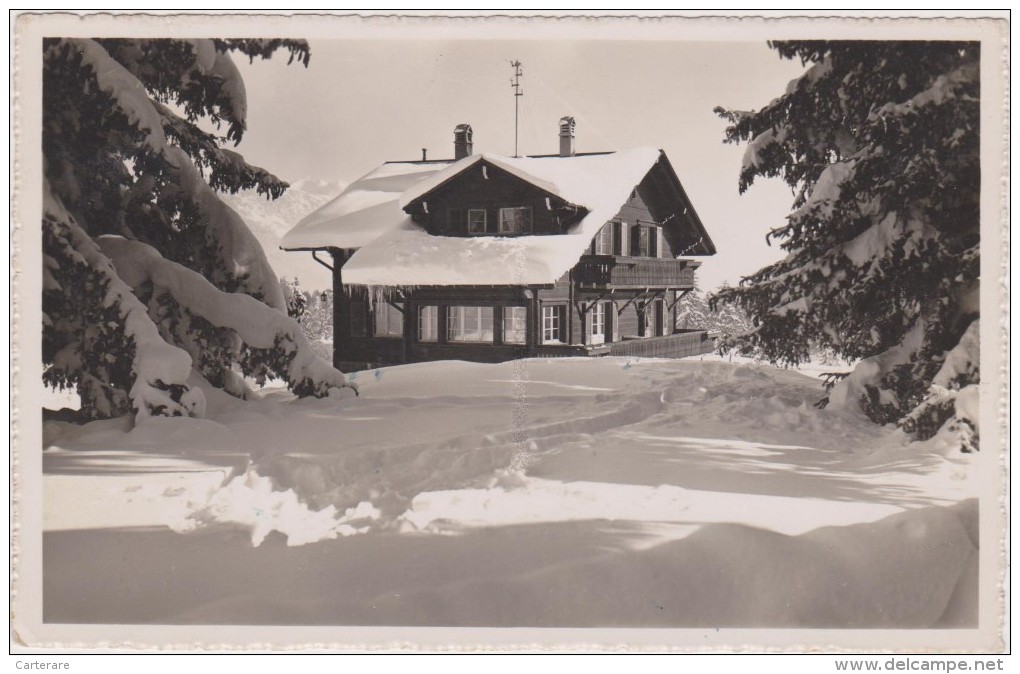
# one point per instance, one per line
(515, 84)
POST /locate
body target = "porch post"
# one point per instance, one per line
(341, 311)
(533, 321)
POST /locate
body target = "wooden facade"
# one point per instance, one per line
(619, 299)
(485, 190)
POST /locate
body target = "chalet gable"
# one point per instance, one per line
(666, 201)
(480, 196)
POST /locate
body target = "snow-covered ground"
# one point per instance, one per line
(566, 492)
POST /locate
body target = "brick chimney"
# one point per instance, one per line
(462, 145)
(566, 136)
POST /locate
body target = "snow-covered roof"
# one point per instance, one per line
(367, 208)
(511, 165)
(394, 251)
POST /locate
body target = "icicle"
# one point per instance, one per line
(376, 295)
(425, 206)
(548, 204)
(485, 172)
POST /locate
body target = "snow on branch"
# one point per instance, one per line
(943, 90)
(952, 405)
(241, 252)
(848, 392)
(217, 63)
(756, 148)
(233, 102)
(127, 91)
(257, 325)
(160, 369)
(239, 249)
(228, 170)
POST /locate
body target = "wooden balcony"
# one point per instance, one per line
(612, 271)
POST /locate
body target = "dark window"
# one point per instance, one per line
(618, 230)
(515, 320)
(428, 323)
(389, 320)
(359, 315)
(515, 220)
(476, 221)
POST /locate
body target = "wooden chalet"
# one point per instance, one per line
(490, 258)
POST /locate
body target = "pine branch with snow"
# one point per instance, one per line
(879, 143)
(693, 311)
(98, 336)
(127, 168)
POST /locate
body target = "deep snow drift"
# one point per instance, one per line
(569, 492)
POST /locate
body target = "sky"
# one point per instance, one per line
(362, 102)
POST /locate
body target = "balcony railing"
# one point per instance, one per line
(602, 271)
(678, 345)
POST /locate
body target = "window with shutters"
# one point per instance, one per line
(604, 240)
(644, 240)
(598, 323)
(554, 324)
(653, 320)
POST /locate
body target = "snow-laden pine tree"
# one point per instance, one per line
(879, 142)
(148, 276)
(694, 312)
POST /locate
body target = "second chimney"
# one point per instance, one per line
(566, 136)
(462, 145)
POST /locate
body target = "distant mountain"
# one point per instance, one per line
(328, 188)
(270, 220)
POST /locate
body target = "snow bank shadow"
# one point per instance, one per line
(789, 470)
(543, 575)
(130, 463)
(158, 445)
(213, 577)
(730, 575)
